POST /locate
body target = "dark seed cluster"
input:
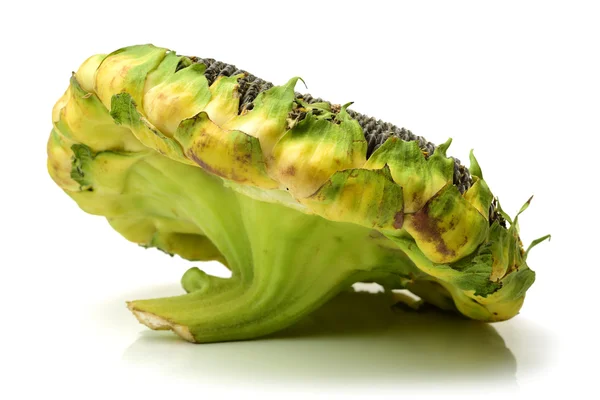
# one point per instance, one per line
(495, 214)
(296, 115)
(376, 131)
(250, 85)
(462, 177)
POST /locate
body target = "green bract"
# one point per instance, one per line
(288, 192)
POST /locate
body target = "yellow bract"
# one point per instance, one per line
(447, 228)
(232, 155)
(304, 166)
(86, 74)
(183, 95)
(126, 71)
(364, 197)
(225, 99)
(59, 161)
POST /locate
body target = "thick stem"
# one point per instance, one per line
(284, 262)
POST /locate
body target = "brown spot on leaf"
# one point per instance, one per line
(430, 231)
(205, 166)
(398, 220)
(465, 241)
(290, 171)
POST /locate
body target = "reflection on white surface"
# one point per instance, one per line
(356, 339)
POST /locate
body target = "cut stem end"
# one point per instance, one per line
(158, 323)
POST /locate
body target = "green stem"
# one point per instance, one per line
(284, 262)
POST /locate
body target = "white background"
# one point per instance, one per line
(517, 81)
